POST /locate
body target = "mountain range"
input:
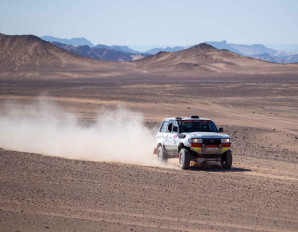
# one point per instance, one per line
(29, 56)
(124, 53)
(101, 52)
(84, 47)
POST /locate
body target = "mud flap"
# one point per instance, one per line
(155, 151)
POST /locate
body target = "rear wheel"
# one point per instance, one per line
(161, 155)
(184, 158)
(227, 160)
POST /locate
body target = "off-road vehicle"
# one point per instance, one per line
(192, 139)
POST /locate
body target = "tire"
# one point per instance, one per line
(161, 155)
(227, 160)
(184, 158)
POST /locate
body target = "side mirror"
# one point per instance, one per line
(220, 130)
(175, 129)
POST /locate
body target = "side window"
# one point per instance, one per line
(163, 126)
(175, 124)
(170, 126)
(214, 128)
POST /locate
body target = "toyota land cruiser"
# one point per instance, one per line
(192, 139)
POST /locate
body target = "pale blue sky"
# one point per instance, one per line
(153, 22)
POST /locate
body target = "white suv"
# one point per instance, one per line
(192, 139)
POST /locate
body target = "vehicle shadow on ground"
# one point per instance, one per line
(214, 167)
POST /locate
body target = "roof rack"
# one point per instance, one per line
(178, 118)
(194, 116)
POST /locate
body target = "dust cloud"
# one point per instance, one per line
(118, 135)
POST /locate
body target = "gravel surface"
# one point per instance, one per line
(40, 193)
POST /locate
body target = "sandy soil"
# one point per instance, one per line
(40, 193)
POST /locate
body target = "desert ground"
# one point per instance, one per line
(260, 112)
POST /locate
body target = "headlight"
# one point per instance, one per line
(197, 141)
(226, 140)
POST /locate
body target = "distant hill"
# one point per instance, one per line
(100, 52)
(204, 58)
(74, 41)
(290, 58)
(124, 49)
(102, 46)
(30, 55)
(265, 57)
(284, 47)
(77, 46)
(257, 51)
(254, 49)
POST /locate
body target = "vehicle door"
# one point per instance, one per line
(168, 136)
(174, 138)
(161, 132)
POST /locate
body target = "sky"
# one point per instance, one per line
(154, 22)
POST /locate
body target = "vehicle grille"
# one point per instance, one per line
(211, 141)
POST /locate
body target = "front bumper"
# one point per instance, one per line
(201, 149)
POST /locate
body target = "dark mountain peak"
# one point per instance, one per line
(203, 46)
(27, 37)
(124, 49)
(161, 52)
(102, 46)
(24, 40)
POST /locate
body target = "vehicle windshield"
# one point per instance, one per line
(197, 126)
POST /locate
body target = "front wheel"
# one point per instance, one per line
(227, 160)
(184, 158)
(161, 155)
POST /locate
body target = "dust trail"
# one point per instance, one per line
(117, 135)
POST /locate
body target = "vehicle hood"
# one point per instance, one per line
(206, 135)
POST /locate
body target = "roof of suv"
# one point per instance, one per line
(186, 118)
